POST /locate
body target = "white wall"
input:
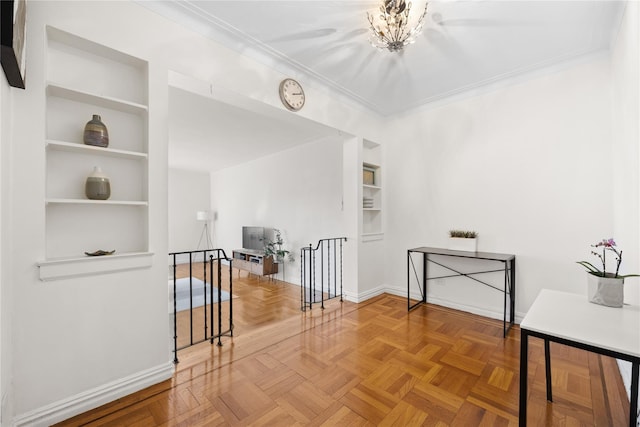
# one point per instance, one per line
(76, 343)
(189, 192)
(625, 70)
(81, 341)
(528, 166)
(625, 60)
(298, 191)
(5, 251)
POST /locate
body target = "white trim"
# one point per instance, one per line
(625, 373)
(363, 296)
(402, 292)
(90, 399)
(480, 311)
(372, 237)
(214, 28)
(66, 268)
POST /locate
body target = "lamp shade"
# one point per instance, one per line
(203, 215)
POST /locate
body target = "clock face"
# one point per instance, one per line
(291, 94)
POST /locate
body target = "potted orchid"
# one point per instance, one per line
(606, 288)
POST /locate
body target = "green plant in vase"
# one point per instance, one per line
(606, 245)
(603, 287)
(275, 249)
(463, 234)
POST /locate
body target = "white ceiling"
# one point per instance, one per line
(465, 44)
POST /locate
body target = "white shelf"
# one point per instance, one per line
(370, 145)
(370, 165)
(64, 268)
(90, 149)
(97, 202)
(91, 48)
(60, 91)
(372, 209)
(371, 187)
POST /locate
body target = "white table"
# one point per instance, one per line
(570, 319)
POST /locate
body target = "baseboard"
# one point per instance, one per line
(363, 296)
(625, 372)
(480, 311)
(90, 399)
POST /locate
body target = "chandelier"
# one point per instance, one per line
(391, 30)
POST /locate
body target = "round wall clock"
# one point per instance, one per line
(291, 94)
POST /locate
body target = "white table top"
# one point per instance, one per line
(573, 317)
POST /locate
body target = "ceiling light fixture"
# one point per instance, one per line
(392, 30)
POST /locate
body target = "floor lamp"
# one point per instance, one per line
(206, 217)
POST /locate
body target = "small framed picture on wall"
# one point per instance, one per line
(13, 21)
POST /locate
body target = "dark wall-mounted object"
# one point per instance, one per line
(12, 40)
(255, 238)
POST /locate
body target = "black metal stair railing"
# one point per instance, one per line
(321, 272)
(212, 258)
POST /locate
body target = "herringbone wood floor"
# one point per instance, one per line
(366, 364)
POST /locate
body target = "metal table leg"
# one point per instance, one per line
(547, 369)
(633, 403)
(524, 363)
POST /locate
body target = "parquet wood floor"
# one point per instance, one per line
(259, 302)
(366, 364)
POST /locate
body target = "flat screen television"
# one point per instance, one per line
(256, 238)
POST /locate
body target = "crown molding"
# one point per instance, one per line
(235, 39)
(229, 36)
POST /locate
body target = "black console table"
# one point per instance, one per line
(509, 269)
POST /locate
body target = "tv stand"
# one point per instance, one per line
(255, 262)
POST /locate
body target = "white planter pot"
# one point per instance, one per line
(463, 244)
(607, 291)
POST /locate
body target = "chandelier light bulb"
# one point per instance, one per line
(391, 30)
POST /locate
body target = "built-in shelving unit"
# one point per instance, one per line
(371, 191)
(85, 78)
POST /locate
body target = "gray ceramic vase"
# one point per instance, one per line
(97, 186)
(95, 133)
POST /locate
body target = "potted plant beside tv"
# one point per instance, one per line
(275, 249)
(605, 288)
(463, 240)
